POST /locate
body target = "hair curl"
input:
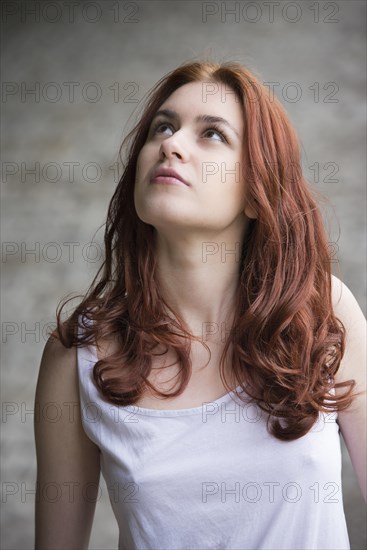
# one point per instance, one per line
(287, 342)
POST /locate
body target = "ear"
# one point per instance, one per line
(250, 212)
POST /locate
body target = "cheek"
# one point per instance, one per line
(225, 184)
(138, 168)
(144, 163)
(138, 180)
(143, 166)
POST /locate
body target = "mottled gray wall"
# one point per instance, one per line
(315, 49)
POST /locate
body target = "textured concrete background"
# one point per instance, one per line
(118, 50)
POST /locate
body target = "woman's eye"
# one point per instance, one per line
(216, 131)
(157, 130)
(157, 126)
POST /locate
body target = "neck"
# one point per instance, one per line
(198, 278)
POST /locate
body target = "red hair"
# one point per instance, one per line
(286, 343)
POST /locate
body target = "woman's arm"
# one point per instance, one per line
(353, 421)
(68, 462)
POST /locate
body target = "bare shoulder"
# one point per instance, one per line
(57, 390)
(65, 455)
(343, 299)
(353, 420)
(54, 350)
(58, 371)
(348, 310)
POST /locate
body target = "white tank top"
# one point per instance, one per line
(212, 477)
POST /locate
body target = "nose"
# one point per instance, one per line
(173, 147)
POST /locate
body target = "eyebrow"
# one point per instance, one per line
(210, 119)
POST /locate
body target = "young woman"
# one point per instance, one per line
(215, 358)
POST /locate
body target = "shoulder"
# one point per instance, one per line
(57, 395)
(349, 312)
(343, 299)
(57, 376)
(353, 420)
(56, 351)
(56, 354)
(64, 452)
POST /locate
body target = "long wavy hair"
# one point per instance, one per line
(287, 343)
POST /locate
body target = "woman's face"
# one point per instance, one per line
(208, 159)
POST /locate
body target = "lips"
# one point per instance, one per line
(168, 174)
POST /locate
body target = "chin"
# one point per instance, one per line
(166, 221)
(156, 211)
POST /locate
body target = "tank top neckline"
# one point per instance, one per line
(208, 406)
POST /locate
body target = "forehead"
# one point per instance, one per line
(212, 98)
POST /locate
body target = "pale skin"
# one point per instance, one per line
(199, 228)
(184, 217)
